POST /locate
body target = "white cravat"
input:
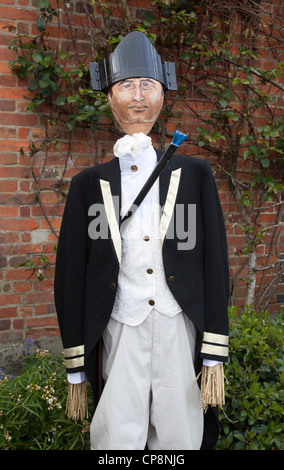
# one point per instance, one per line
(132, 144)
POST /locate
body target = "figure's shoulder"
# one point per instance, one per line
(192, 164)
(101, 170)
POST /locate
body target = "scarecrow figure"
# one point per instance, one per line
(153, 291)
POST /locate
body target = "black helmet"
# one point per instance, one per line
(134, 57)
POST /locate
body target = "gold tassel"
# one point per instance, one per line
(77, 401)
(212, 386)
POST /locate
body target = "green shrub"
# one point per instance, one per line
(32, 408)
(252, 418)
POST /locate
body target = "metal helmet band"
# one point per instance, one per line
(134, 57)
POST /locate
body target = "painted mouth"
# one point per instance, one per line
(138, 108)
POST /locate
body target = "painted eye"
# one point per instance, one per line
(127, 86)
(147, 84)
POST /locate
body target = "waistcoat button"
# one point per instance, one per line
(151, 302)
(150, 271)
(134, 167)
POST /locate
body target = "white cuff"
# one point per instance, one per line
(209, 363)
(76, 377)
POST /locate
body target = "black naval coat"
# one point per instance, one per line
(87, 266)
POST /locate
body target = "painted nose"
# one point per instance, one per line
(138, 95)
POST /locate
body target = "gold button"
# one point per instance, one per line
(151, 302)
(134, 167)
(150, 271)
(146, 238)
(112, 286)
(171, 278)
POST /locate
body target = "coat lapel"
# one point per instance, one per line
(168, 208)
(169, 184)
(113, 176)
(111, 192)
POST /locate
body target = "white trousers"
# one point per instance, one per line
(149, 396)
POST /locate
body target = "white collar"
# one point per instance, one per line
(145, 160)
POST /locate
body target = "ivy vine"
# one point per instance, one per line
(224, 88)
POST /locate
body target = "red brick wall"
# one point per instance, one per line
(27, 307)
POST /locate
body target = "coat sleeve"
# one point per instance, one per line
(70, 278)
(216, 274)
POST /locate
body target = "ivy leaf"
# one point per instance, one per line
(62, 54)
(76, 72)
(44, 83)
(233, 116)
(71, 122)
(37, 57)
(61, 100)
(264, 162)
(73, 99)
(40, 275)
(246, 154)
(43, 3)
(244, 139)
(40, 24)
(32, 86)
(223, 102)
(186, 55)
(53, 85)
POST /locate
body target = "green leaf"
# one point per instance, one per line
(44, 83)
(264, 162)
(244, 139)
(32, 86)
(63, 55)
(40, 24)
(53, 85)
(223, 102)
(40, 275)
(233, 116)
(47, 59)
(37, 57)
(76, 72)
(185, 55)
(73, 99)
(71, 122)
(61, 100)
(31, 106)
(43, 3)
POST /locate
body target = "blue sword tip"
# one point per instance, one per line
(178, 138)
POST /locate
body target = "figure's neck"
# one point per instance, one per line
(135, 128)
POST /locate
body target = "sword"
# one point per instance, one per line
(178, 138)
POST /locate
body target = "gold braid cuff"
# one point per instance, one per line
(77, 401)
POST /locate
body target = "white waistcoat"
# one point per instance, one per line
(141, 281)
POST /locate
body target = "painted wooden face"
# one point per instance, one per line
(136, 103)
